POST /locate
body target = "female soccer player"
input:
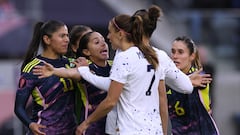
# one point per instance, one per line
(134, 67)
(53, 97)
(92, 46)
(189, 113)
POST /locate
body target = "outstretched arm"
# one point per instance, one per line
(174, 77)
(100, 82)
(178, 80)
(47, 70)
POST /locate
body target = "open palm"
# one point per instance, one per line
(43, 71)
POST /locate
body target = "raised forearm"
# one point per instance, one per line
(179, 81)
(102, 83)
(71, 73)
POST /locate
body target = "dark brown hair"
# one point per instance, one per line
(75, 34)
(40, 30)
(150, 18)
(133, 27)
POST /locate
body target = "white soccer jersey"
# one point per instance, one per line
(138, 106)
(173, 77)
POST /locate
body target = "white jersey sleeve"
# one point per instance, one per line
(174, 77)
(100, 82)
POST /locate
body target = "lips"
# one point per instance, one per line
(176, 62)
(104, 52)
(65, 46)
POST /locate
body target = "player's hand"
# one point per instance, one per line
(81, 129)
(43, 71)
(200, 80)
(36, 128)
(81, 61)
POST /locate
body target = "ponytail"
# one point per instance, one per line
(40, 30)
(133, 27)
(34, 45)
(197, 62)
(150, 55)
(147, 51)
(150, 18)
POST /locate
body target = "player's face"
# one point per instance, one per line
(113, 37)
(58, 42)
(97, 47)
(181, 56)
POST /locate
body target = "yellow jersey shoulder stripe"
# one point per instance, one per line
(31, 64)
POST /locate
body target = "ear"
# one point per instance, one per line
(193, 56)
(121, 34)
(86, 52)
(46, 40)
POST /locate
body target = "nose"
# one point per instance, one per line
(103, 43)
(108, 36)
(173, 55)
(67, 39)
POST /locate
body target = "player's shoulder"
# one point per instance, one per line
(160, 52)
(28, 68)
